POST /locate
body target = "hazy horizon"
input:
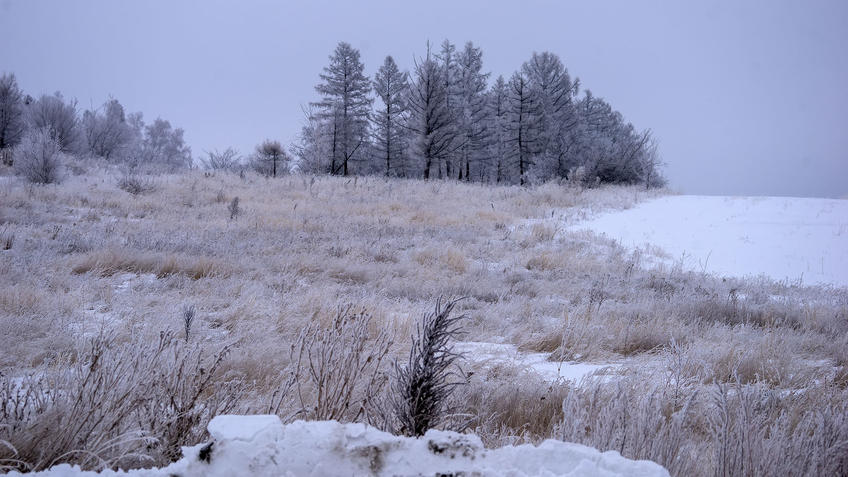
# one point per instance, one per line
(744, 99)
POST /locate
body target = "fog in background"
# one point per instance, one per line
(746, 98)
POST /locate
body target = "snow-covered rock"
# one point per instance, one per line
(263, 446)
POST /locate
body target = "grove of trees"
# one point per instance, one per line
(446, 119)
(449, 120)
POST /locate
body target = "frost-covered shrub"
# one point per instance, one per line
(423, 386)
(39, 157)
(338, 370)
(116, 403)
(136, 184)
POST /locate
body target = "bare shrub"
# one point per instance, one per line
(188, 319)
(338, 370)
(115, 404)
(77, 414)
(228, 159)
(187, 394)
(38, 157)
(7, 239)
(422, 387)
(136, 184)
(234, 208)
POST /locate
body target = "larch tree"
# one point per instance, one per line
(522, 128)
(12, 120)
(345, 103)
(392, 86)
(430, 123)
(554, 93)
(472, 111)
(498, 126)
(450, 77)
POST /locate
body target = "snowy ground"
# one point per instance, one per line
(499, 354)
(262, 445)
(792, 239)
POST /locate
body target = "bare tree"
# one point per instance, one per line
(107, 132)
(60, 119)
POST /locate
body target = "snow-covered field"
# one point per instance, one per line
(793, 239)
(262, 446)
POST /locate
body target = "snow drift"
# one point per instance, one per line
(262, 445)
(782, 238)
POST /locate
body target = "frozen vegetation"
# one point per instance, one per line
(102, 367)
(420, 277)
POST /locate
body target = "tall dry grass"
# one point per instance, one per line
(89, 258)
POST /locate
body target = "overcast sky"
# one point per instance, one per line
(746, 98)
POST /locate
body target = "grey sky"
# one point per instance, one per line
(747, 98)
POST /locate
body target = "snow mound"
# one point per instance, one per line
(782, 238)
(263, 446)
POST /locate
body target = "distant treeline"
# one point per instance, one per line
(446, 120)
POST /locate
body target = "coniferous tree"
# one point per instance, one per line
(345, 104)
(450, 77)
(430, 122)
(553, 92)
(498, 126)
(522, 128)
(391, 85)
(472, 123)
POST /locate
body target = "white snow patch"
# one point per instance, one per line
(780, 237)
(263, 446)
(494, 354)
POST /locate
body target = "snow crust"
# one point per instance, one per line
(263, 446)
(782, 238)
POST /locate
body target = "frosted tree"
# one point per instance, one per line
(553, 92)
(58, 117)
(611, 149)
(472, 111)
(430, 122)
(345, 103)
(312, 148)
(12, 120)
(107, 132)
(392, 86)
(164, 146)
(498, 127)
(271, 159)
(449, 78)
(522, 128)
